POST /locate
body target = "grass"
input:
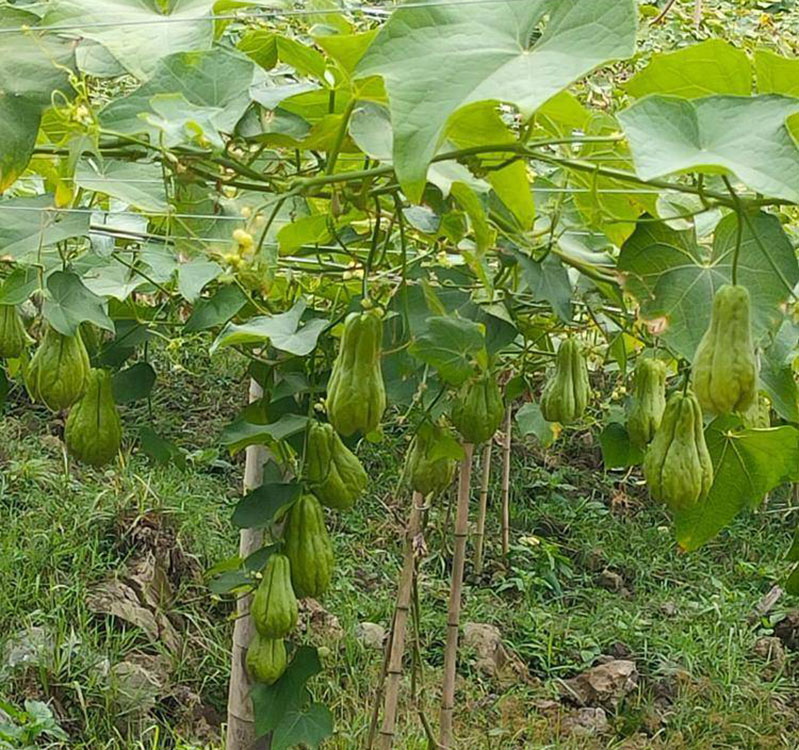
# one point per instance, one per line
(681, 618)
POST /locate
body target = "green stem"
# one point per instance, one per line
(340, 136)
(739, 211)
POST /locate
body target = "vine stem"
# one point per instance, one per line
(240, 720)
(479, 534)
(506, 443)
(454, 612)
(739, 210)
(398, 631)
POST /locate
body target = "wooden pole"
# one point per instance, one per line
(401, 610)
(240, 722)
(506, 482)
(479, 534)
(454, 613)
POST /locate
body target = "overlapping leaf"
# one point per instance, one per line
(746, 137)
(282, 331)
(747, 464)
(440, 57)
(674, 278)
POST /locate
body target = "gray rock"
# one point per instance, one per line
(371, 635)
(30, 647)
(605, 684)
(586, 722)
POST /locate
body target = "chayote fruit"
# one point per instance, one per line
(758, 415)
(308, 548)
(334, 473)
(648, 403)
(566, 395)
(478, 409)
(725, 366)
(427, 471)
(274, 606)
(266, 659)
(356, 395)
(59, 370)
(677, 466)
(93, 432)
(13, 338)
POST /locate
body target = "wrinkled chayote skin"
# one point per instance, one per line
(566, 395)
(356, 395)
(274, 606)
(266, 659)
(59, 371)
(335, 475)
(425, 472)
(648, 403)
(677, 466)
(93, 431)
(725, 366)
(308, 548)
(13, 338)
(478, 410)
(758, 415)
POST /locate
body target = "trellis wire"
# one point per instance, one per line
(222, 217)
(262, 13)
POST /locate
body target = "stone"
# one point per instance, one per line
(605, 684)
(29, 647)
(610, 581)
(322, 626)
(585, 722)
(772, 652)
(493, 659)
(371, 635)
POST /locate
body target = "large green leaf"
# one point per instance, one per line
(674, 279)
(547, 279)
(440, 57)
(482, 123)
(531, 422)
(451, 345)
(113, 279)
(32, 67)
(710, 67)
(776, 74)
(747, 465)
(282, 331)
(135, 184)
(216, 79)
(257, 508)
(273, 703)
(194, 275)
(240, 434)
(217, 309)
(142, 32)
(304, 727)
(70, 303)
(604, 204)
(746, 137)
(370, 128)
(776, 372)
(133, 383)
(19, 285)
(617, 450)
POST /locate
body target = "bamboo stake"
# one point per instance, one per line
(506, 483)
(401, 610)
(479, 534)
(381, 684)
(454, 613)
(240, 721)
(698, 14)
